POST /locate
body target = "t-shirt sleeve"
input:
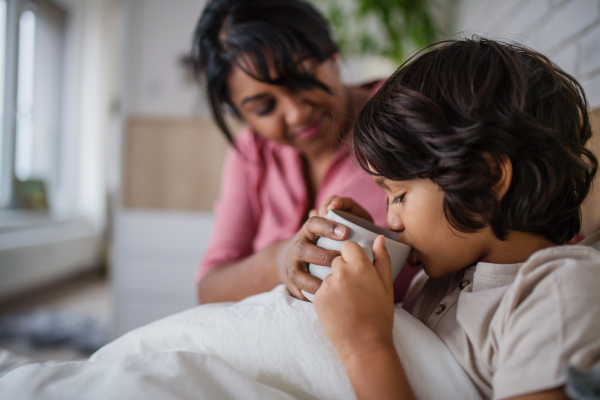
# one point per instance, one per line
(550, 319)
(236, 213)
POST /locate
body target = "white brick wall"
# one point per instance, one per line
(567, 31)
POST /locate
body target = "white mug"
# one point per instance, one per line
(364, 233)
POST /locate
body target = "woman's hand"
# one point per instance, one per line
(300, 250)
(345, 204)
(356, 302)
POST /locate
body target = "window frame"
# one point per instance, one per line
(7, 172)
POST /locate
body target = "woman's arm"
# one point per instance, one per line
(235, 281)
(237, 216)
(231, 273)
(283, 262)
(231, 270)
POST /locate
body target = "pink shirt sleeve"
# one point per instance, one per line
(237, 213)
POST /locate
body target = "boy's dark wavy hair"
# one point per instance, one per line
(455, 112)
(255, 35)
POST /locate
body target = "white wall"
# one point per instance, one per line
(160, 33)
(567, 31)
(92, 83)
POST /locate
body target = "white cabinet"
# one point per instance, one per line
(155, 256)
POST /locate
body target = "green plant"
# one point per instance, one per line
(383, 27)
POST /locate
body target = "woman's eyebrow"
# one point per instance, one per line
(252, 98)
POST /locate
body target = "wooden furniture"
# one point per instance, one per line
(172, 164)
(591, 207)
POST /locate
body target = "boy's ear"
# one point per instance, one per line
(504, 171)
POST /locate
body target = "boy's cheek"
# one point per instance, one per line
(401, 237)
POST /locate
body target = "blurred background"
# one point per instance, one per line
(110, 163)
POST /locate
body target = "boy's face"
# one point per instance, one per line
(416, 212)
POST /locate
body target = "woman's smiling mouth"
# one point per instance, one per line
(311, 130)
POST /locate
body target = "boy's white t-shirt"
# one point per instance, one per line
(515, 327)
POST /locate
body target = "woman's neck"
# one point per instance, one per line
(356, 97)
(317, 163)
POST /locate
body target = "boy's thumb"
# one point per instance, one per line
(381, 260)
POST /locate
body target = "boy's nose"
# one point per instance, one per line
(394, 223)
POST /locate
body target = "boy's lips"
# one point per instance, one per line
(311, 130)
(412, 259)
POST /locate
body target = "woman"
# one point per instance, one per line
(273, 64)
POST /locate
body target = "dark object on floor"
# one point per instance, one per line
(69, 329)
(584, 385)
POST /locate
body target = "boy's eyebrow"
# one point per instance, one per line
(380, 180)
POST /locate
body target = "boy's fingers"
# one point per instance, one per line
(337, 264)
(354, 254)
(381, 260)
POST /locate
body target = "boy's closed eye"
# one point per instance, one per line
(398, 199)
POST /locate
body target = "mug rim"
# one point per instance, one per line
(363, 223)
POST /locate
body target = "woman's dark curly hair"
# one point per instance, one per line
(454, 113)
(256, 35)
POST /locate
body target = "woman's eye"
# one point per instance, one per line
(308, 66)
(265, 109)
(398, 199)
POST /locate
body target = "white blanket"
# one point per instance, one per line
(174, 374)
(270, 345)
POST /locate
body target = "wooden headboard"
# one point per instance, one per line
(591, 207)
(172, 163)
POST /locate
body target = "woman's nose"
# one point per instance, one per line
(297, 111)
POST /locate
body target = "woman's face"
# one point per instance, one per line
(305, 119)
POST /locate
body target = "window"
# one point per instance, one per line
(25, 82)
(31, 47)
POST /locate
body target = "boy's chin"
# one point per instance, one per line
(433, 272)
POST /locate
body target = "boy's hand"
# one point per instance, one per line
(334, 202)
(356, 302)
